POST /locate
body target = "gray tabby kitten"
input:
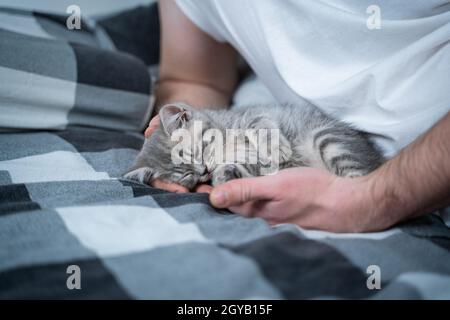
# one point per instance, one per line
(307, 137)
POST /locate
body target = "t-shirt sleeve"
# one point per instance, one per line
(204, 15)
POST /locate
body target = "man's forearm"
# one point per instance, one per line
(417, 180)
(193, 93)
(194, 68)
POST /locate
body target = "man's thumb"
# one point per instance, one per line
(237, 192)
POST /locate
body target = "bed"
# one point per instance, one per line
(72, 109)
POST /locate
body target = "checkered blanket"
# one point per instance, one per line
(53, 77)
(63, 205)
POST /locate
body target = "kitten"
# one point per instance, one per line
(307, 137)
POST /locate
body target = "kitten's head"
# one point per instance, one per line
(171, 154)
(190, 146)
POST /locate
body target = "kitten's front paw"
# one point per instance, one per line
(188, 181)
(224, 174)
(142, 175)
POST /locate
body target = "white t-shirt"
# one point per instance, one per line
(387, 76)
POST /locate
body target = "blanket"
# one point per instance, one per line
(63, 203)
(72, 228)
(53, 77)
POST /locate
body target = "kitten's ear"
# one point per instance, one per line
(174, 116)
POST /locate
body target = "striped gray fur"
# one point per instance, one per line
(308, 137)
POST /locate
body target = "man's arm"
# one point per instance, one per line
(415, 182)
(194, 67)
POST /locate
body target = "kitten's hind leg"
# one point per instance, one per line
(347, 164)
(346, 152)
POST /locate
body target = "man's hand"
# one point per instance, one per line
(415, 182)
(309, 197)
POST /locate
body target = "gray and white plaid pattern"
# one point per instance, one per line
(62, 202)
(53, 77)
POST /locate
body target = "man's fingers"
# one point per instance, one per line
(152, 126)
(237, 192)
(203, 188)
(251, 209)
(245, 209)
(172, 187)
